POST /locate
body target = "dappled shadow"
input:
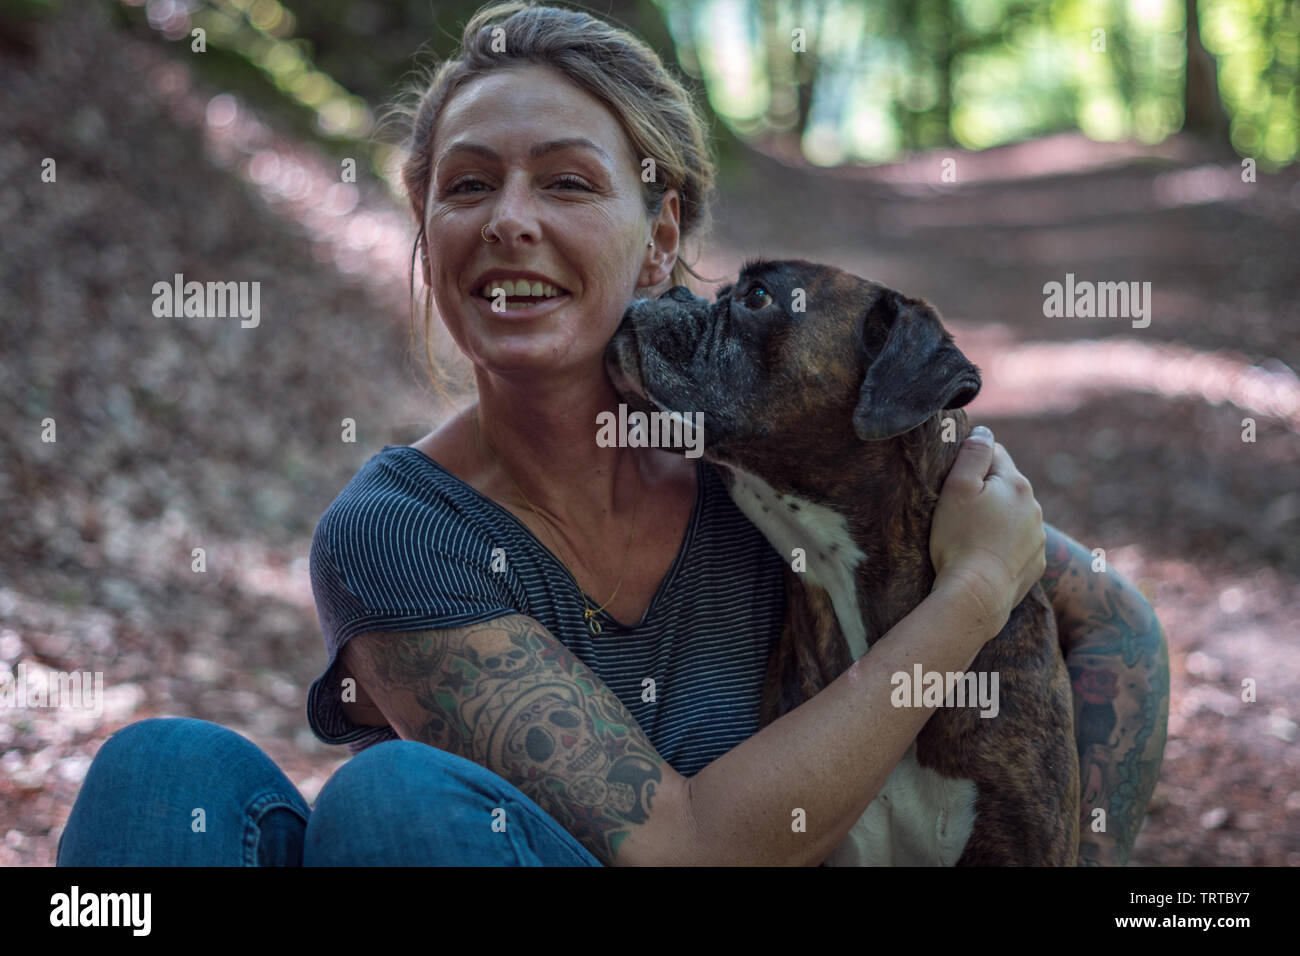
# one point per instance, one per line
(173, 433)
(1219, 253)
(177, 434)
(1132, 437)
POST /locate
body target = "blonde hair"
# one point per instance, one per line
(656, 112)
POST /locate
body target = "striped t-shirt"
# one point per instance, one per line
(408, 546)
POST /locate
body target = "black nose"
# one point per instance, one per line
(679, 293)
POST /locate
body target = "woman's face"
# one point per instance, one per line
(504, 154)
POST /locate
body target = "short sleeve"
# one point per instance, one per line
(392, 554)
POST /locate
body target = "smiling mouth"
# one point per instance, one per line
(520, 293)
(516, 305)
(523, 306)
(523, 303)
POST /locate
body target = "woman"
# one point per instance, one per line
(581, 632)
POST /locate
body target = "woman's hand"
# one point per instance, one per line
(987, 535)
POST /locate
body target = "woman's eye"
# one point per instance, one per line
(456, 186)
(572, 181)
(757, 298)
(567, 181)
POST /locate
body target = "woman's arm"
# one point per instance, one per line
(509, 696)
(830, 756)
(1119, 670)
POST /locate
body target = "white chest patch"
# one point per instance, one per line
(919, 818)
(831, 554)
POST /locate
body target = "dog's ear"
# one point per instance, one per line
(918, 371)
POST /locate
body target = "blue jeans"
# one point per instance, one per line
(182, 792)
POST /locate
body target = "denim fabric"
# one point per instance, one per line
(398, 803)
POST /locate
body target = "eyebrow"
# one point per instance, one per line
(757, 267)
(537, 151)
(760, 268)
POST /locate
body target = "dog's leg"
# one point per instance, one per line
(1023, 759)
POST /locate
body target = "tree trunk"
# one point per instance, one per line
(1203, 112)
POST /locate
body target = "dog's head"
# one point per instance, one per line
(787, 358)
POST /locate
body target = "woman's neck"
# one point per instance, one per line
(543, 441)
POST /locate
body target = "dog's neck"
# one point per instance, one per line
(865, 538)
(892, 516)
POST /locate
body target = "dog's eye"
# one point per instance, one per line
(757, 298)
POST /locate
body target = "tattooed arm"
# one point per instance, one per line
(508, 696)
(1119, 670)
(492, 693)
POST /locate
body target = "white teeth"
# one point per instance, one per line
(518, 288)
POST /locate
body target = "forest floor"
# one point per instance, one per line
(203, 434)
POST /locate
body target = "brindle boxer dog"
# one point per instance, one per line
(828, 423)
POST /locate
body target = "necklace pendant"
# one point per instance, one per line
(593, 625)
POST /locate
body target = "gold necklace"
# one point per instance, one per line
(588, 614)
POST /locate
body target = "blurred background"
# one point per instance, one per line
(966, 151)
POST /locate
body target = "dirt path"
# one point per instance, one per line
(179, 435)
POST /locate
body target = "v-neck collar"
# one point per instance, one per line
(664, 585)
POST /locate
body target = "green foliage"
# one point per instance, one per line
(1257, 45)
(330, 68)
(887, 76)
(867, 81)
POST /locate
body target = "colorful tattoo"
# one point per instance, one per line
(1119, 669)
(507, 696)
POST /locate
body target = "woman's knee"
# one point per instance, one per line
(186, 747)
(403, 775)
(158, 739)
(163, 782)
(406, 803)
